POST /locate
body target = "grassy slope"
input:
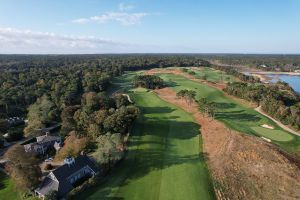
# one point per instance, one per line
(7, 191)
(164, 160)
(235, 115)
(213, 75)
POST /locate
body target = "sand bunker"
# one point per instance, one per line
(267, 126)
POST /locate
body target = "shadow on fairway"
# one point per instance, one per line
(172, 84)
(225, 105)
(238, 116)
(159, 128)
(156, 110)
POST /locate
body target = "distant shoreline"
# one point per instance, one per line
(262, 75)
(276, 73)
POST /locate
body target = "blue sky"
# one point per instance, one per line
(150, 26)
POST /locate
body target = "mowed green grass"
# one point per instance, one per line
(7, 191)
(278, 135)
(212, 75)
(164, 160)
(235, 115)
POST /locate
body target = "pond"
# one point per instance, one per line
(293, 81)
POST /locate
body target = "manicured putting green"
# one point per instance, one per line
(164, 161)
(277, 135)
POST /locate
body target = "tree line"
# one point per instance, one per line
(283, 63)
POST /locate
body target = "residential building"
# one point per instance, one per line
(42, 144)
(66, 176)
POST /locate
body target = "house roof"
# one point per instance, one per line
(47, 138)
(41, 140)
(62, 185)
(63, 172)
(49, 185)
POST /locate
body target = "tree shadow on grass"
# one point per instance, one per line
(172, 84)
(225, 105)
(161, 127)
(238, 116)
(156, 110)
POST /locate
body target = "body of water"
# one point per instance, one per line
(293, 81)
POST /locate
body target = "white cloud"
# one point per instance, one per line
(123, 18)
(27, 41)
(125, 7)
(80, 21)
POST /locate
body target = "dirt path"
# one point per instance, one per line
(258, 109)
(242, 166)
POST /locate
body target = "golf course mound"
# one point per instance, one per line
(242, 166)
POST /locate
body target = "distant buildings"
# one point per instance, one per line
(263, 66)
(43, 143)
(66, 176)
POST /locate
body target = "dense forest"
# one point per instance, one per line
(264, 62)
(64, 78)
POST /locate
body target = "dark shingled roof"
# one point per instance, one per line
(62, 173)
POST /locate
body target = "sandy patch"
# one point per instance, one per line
(267, 126)
(242, 166)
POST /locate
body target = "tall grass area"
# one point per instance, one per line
(164, 160)
(235, 115)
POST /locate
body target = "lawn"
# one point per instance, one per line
(235, 115)
(213, 75)
(164, 160)
(7, 191)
